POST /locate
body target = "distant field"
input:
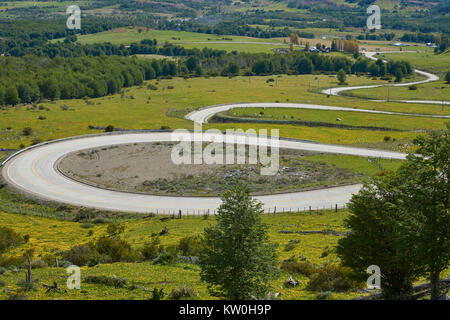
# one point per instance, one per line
(130, 35)
(438, 90)
(428, 61)
(348, 118)
(167, 107)
(423, 60)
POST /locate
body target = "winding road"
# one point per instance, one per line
(372, 55)
(34, 170)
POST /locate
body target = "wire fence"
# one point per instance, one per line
(267, 210)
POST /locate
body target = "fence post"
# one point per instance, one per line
(310, 210)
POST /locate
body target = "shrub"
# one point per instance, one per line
(27, 131)
(3, 270)
(36, 141)
(151, 250)
(10, 261)
(115, 282)
(387, 138)
(114, 229)
(291, 266)
(182, 292)
(412, 87)
(39, 263)
(117, 250)
(42, 118)
(332, 278)
(81, 255)
(166, 258)
(157, 294)
(190, 246)
(9, 239)
(109, 128)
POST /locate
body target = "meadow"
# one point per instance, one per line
(50, 236)
(143, 108)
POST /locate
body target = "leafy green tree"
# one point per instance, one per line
(27, 93)
(50, 89)
(304, 66)
(231, 69)
(425, 205)
(11, 96)
(342, 76)
(398, 75)
(373, 239)
(238, 259)
(447, 77)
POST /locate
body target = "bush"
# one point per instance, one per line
(115, 282)
(39, 263)
(291, 266)
(151, 250)
(10, 261)
(182, 293)
(109, 128)
(114, 229)
(190, 246)
(412, 87)
(3, 270)
(9, 239)
(36, 141)
(117, 250)
(27, 131)
(42, 118)
(157, 294)
(166, 258)
(81, 255)
(332, 278)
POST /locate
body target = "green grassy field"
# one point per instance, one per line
(52, 236)
(167, 107)
(424, 60)
(439, 91)
(348, 118)
(129, 35)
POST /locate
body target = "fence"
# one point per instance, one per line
(274, 211)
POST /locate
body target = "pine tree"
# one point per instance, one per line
(238, 259)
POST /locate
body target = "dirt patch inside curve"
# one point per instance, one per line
(147, 168)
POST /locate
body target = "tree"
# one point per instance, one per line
(50, 89)
(425, 205)
(373, 237)
(11, 96)
(447, 77)
(307, 46)
(238, 259)
(294, 38)
(342, 76)
(304, 66)
(231, 69)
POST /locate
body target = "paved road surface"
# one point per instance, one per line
(34, 172)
